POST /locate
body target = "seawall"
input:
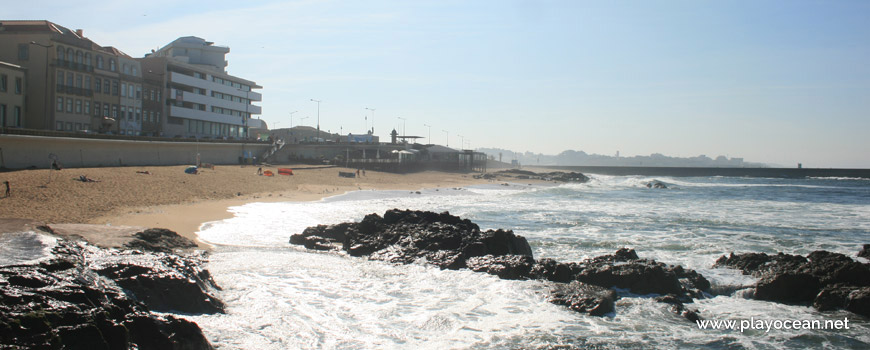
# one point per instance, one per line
(25, 151)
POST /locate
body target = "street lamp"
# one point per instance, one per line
(46, 119)
(429, 138)
(291, 119)
(447, 144)
(301, 120)
(318, 116)
(373, 119)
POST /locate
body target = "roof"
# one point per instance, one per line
(441, 149)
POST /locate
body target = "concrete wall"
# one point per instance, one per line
(20, 151)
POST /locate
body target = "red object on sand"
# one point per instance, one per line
(268, 173)
(285, 171)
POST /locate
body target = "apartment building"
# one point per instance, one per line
(130, 117)
(12, 96)
(70, 79)
(202, 100)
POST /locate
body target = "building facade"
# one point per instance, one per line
(68, 75)
(202, 100)
(12, 95)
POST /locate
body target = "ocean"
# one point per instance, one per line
(281, 296)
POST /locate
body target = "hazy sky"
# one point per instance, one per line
(770, 81)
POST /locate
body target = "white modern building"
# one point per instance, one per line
(201, 99)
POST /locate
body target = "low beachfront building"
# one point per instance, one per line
(202, 100)
(12, 96)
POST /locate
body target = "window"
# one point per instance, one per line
(112, 66)
(125, 68)
(106, 110)
(88, 58)
(130, 90)
(87, 82)
(19, 85)
(138, 114)
(115, 88)
(16, 116)
(69, 105)
(60, 75)
(123, 112)
(69, 79)
(23, 52)
(60, 51)
(135, 71)
(98, 85)
(2, 115)
(78, 126)
(123, 90)
(138, 92)
(99, 62)
(58, 126)
(96, 109)
(79, 81)
(80, 57)
(70, 54)
(4, 79)
(69, 126)
(78, 106)
(115, 111)
(60, 104)
(106, 86)
(87, 110)
(157, 115)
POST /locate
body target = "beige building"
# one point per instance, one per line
(64, 70)
(12, 95)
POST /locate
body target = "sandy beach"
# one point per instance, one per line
(166, 197)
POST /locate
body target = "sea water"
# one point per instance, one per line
(281, 296)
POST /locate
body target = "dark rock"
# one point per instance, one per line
(159, 240)
(449, 242)
(163, 282)
(656, 184)
(510, 267)
(567, 177)
(585, 298)
(859, 301)
(822, 278)
(865, 253)
(62, 303)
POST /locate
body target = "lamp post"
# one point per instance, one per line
(291, 119)
(301, 120)
(46, 118)
(403, 128)
(429, 138)
(373, 119)
(447, 144)
(318, 116)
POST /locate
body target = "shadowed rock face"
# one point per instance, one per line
(159, 240)
(450, 242)
(64, 303)
(826, 280)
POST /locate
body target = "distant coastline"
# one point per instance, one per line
(791, 173)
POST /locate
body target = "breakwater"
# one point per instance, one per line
(789, 173)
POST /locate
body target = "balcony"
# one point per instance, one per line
(187, 113)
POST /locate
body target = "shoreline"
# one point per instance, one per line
(166, 197)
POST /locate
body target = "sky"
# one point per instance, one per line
(779, 82)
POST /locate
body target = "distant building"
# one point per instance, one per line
(202, 100)
(12, 95)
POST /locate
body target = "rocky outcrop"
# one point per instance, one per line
(159, 240)
(450, 242)
(865, 252)
(824, 279)
(656, 184)
(556, 176)
(63, 303)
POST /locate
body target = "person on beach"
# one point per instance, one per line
(364, 171)
(260, 171)
(357, 172)
(8, 191)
